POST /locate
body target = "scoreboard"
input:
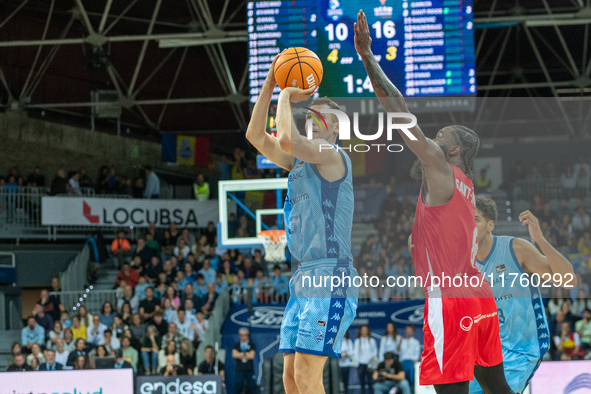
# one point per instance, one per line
(425, 47)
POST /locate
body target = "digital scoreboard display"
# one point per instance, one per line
(425, 47)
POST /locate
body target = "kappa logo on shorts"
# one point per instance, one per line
(321, 323)
(319, 336)
(500, 268)
(466, 323)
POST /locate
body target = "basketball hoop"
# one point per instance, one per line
(274, 242)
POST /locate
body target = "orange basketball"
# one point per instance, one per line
(298, 67)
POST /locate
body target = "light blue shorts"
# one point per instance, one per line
(519, 369)
(317, 316)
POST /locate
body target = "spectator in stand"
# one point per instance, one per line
(244, 352)
(366, 349)
(187, 355)
(153, 244)
(172, 335)
(149, 305)
(167, 245)
(31, 334)
(14, 350)
(581, 303)
(201, 248)
(568, 180)
(51, 305)
(390, 374)
(81, 362)
(130, 275)
(211, 233)
(168, 311)
(128, 297)
(150, 347)
(74, 185)
(137, 328)
(581, 165)
(184, 325)
(85, 180)
(201, 325)
(189, 276)
(50, 364)
(189, 294)
(54, 335)
(95, 332)
(563, 209)
(172, 368)
(169, 348)
(581, 220)
(42, 319)
(159, 322)
(99, 352)
(59, 184)
(143, 252)
(61, 354)
(220, 284)
(36, 179)
(107, 314)
(152, 183)
(120, 361)
(188, 238)
(248, 268)
(200, 286)
(19, 364)
(201, 189)
(410, 353)
(568, 343)
(112, 181)
(129, 353)
(153, 270)
(125, 314)
(69, 341)
(140, 288)
(175, 301)
(208, 301)
(35, 354)
(120, 246)
(212, 366)
(483, 184)
(390, 342)
(110, 342)
(182, 250)
(583, 329)
(79, 351)
(78, 329)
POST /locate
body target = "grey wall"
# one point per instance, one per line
(37, 267)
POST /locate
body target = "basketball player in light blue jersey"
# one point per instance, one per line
(506, 261)
(318, 217)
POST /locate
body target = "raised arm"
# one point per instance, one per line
(550, 265)
(256, 132)
(392, 100)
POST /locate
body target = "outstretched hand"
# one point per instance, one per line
(296, 94)
(271, 74)
(362, 36)
(535, 232)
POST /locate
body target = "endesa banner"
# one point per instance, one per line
(110, 381)
(186, 384)
(562, 377)
(125, 212)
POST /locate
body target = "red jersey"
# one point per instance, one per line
(445, 244)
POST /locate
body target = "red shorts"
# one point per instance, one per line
(458, 334)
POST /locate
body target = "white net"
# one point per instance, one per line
(274, 242)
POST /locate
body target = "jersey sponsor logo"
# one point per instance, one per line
(319, 336)
(500, 268)
(295, 175)
(301, 197)
(321, 323)
(466, 323)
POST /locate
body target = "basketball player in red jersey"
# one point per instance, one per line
(461, 328)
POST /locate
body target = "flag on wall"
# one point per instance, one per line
(185, 150)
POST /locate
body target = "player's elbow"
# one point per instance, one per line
(285, 143)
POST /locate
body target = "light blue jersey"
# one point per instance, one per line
(319, 214)
(318, 220)
(525, 335)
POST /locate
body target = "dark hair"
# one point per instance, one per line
(103, 307)
(148, 167)
(487, 206)
(469, 145)
(585, 310)
(388, 356)
(332, 105)
(276, 267)
(209, 347)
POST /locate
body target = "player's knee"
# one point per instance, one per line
(303, 381)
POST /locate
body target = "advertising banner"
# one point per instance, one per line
(558, 377)
(126, 212)
(186, 384)
(111, 381)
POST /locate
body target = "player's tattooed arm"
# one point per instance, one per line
(256, 132)
(392, 100)
(550, 265)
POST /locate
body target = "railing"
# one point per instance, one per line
(548, 190)
(213, 334)
(74, 278)
(259, 294)
(20, 213)
(93, 300)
